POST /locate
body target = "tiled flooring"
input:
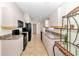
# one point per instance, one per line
(35, 47)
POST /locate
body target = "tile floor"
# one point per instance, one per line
(35, 47)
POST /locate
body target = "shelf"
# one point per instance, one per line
(56, 27)
(69, 29)
(66, 28)
(70, 23)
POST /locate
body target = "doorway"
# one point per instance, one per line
(34, 29)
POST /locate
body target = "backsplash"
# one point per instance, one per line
(7, 27)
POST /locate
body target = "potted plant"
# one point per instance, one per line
(66, 38)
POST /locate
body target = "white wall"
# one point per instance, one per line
(0, 48)
(53, 18)
(47, 23)
(0, 28)
(60, 14)
(10, 14)
(27, 18)
(38, 28)
(0, 17)
(65, 9)
(56, 17)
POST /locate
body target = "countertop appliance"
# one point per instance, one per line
(15, 32)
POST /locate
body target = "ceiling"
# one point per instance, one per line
(38, 9)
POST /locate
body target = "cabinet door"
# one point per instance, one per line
(44, 40)
(49, 43)
(50, 47)
(12, 47)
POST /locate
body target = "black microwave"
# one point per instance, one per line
(15, 32)
(24, 29)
